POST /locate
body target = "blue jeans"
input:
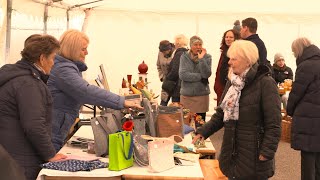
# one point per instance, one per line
(61, 124)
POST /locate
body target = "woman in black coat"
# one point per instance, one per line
(304, 107)
(250, 114)
(25, 106)
(180, 43)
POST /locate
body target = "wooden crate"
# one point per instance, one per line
(286, 131)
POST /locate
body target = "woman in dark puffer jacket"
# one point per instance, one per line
(181, 43)
(250, 114)
(26, 106)
(304, 107)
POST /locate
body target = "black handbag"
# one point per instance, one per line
(169, 85)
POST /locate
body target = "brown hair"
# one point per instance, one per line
(30, 37)
(71, 43)
(251, 23)
(39, 45)
(223, 41)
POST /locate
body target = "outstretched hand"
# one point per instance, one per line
(132, 104)
(198, 136)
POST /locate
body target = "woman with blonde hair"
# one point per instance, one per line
(250, 114)
(70, 91)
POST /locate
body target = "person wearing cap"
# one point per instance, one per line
(194, 72)
(164, 58)
(281, 71)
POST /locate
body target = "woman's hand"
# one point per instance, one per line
(198, 136)
(262, 158)
(132, 104)
(203, 52)
(57, 157)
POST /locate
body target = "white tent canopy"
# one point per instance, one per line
(123, 33)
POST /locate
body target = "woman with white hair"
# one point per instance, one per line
(181, 43)
(304, 107)
(250, 114)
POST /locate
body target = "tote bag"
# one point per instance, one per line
(102, 126)
(120, 150)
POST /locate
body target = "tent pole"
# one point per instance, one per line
(8, 31)
(68, 18)
(86, 19)
(45, 19)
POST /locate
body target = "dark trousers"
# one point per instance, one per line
(310, 165)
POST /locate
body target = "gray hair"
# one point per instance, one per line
(298, 46)
(195, 39)
(180, 41)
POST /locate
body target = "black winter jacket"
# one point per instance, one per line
(257, 131)
(25, 116)
(304, 102)
(261, 47)
(173, 73)
(280, 74)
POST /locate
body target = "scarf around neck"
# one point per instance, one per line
(230, 103)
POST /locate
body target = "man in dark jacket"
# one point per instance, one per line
(249, 32)
(304, 107)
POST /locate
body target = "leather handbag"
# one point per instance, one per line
(102, 126)
(120, 150)
(169, 85)
(169, 121)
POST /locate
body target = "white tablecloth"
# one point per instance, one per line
(86, 132)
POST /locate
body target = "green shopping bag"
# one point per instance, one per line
(120, 150)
